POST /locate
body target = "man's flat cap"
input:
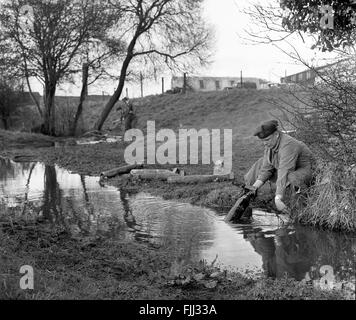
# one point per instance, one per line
(266, 129)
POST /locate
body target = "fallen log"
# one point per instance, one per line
(24, 158)
(121, 170)
(153, 174)
(200, 178)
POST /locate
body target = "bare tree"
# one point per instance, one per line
(171, 32)
(99, 58)
(50, 36)
(323, 111)
(9, 83)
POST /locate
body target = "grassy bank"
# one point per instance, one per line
(19, 140)
(331, 201)
(96, 268)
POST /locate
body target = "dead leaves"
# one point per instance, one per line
(203, 275)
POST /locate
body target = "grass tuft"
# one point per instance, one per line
(332, 200)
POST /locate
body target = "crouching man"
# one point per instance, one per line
(286, 161)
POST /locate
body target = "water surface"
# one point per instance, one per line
(83, 207)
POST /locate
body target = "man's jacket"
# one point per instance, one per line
(288, 155)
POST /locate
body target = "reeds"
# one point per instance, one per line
(331, 202)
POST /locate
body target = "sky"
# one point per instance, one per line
(236, 53)
(233, 53)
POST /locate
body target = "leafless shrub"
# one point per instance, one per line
(65, 117)
(324, 113)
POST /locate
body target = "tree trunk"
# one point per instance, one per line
(121, 170)
(49, 115)
(200, 179)
(98, 126)
(5, 122)
(31, 93)
(81, 100)
(153, 174)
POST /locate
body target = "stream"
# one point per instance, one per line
(83, 207)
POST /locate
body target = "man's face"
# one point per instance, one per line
(271, 140)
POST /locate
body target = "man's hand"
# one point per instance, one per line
(280, 205)
(253, 189)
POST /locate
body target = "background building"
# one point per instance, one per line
(305, 77)
(312, 75)
(216, 83)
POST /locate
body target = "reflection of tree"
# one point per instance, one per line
(26, 166)
(52, 195)
(7, 169)
(33, 165)
(128, 216)
(87, 204)
(75, 212)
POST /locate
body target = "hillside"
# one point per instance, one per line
(240, 110)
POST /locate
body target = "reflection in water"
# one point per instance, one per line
(52, 196)
(80, 206)
(183, 228)
(63, 200)
(128, 216)
(281, 255)
(305, 254)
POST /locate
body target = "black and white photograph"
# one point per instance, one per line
(179, 155)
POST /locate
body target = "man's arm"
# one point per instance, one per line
(265, 172)
(267, 168)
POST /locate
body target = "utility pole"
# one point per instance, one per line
(141, 80)
(241, 82)
(162, 85)
(184, 82)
